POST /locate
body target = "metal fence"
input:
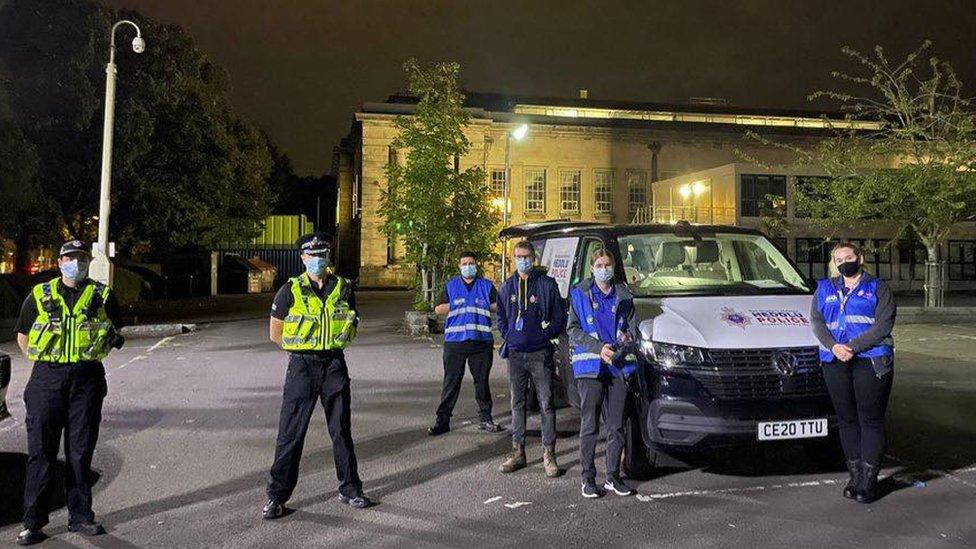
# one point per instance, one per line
(283, 257)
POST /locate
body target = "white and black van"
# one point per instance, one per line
(728, 354)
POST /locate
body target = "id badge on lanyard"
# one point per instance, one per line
(519, 322)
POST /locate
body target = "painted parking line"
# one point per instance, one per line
(954, 475)
(14, 422)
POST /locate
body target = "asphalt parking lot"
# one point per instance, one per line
(190, 421)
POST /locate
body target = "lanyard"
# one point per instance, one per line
(843, 298)
(523, 296)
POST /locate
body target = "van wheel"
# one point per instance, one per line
(565, 368)
(639, 460)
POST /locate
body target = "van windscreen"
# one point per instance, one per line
(720, 264)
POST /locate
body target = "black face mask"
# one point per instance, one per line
(849, 268)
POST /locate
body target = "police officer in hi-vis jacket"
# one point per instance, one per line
(67, 326)
(313, 318)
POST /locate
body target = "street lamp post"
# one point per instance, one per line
(101, 267)
(517, 134)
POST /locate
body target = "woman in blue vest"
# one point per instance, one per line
(601, 316)
(852, 317)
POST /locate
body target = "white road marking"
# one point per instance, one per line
(739, 490)
(517, 504)
(158, 344)
(492, 500)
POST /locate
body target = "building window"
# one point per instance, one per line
(912, 256)
(535, 191)
(812, 255)
(636, 190)
(498, 184)
(763, 195)
(569, 191)
(603, 192)
(962, 260)
(391, 251)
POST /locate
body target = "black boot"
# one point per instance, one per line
(867, 487)
(854, 468)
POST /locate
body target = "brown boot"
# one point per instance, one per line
(549, 462)
(514, 461)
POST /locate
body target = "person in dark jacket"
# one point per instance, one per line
(602, 318)
(852, 316)
(530, 315)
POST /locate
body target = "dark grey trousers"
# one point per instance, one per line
(537, 366)
(608, 394)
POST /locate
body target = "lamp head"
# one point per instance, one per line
(138, 44)
(519, 132)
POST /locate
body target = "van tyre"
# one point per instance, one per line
(639, 461)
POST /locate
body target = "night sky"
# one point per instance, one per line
(300, 68)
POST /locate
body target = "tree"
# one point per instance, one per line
(435, 209)
(185, 169)
(904, 156)
(24, 209)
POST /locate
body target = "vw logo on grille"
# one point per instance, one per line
(785, 362)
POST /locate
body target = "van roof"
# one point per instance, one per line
(563, 226)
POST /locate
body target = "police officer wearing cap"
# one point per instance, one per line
(313, 318)
(66, 326)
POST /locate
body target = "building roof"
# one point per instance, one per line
(602, 112)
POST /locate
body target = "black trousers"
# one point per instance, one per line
(609, 395)
(539, 367)
(478, 355)
(860, 398)
(62, 399)
(311, 378)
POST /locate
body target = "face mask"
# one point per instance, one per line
(469, 271)
(316, 265)
(603, 274)
(75, 270)
(524, 265)
(849, 268)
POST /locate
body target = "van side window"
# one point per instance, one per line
(559, 258)
(585, 270)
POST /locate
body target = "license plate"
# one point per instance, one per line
(785, 430)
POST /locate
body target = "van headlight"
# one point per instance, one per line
(669, 356)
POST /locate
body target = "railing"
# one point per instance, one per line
(692, 214)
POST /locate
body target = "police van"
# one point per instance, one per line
(729, 357)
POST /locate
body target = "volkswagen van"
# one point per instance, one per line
(728, 355)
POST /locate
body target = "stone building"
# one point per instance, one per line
(581, 159)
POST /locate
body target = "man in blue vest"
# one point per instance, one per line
(468, 301)
(531, 314)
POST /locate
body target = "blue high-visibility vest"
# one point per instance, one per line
(850, 315)
(585, 363)
(470, 315)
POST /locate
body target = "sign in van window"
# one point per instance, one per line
(558, 258)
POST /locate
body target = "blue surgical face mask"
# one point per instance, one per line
(75, 269)
(603, 274)
(524, 264)
(469, 271)
(316, 265)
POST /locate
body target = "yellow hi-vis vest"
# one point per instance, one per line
(312, 325)
(65, 335)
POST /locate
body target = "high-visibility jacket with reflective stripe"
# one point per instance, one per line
(469, 317)
(848, 316)
(65, 335)
(314, 325)
(589, 364)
